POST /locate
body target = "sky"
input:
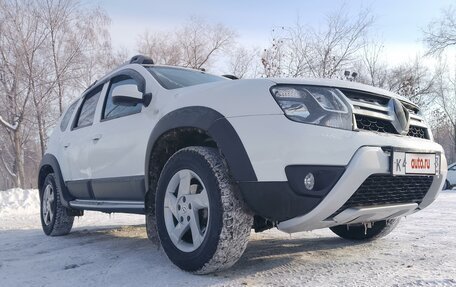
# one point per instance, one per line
(399, 24)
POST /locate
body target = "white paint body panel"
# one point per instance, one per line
(122, 144)
(273, 142)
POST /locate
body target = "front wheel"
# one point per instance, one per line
(202, 223)
(362, 232)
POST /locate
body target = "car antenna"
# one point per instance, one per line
(232, 77)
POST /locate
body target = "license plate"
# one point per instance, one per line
(415, 163)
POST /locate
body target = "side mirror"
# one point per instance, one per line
(128, 95)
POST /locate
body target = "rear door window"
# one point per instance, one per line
(67, 117)
(87, 110)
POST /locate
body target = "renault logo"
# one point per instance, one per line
(401, 116)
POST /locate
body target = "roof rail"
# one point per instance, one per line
(141, 59)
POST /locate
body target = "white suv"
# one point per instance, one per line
(208, 158)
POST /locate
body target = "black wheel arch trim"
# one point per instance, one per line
(51, 161)
(217, 127)
(135, 75)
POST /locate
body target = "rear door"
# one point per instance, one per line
(78, 143)
(65, 129)
(118, 156)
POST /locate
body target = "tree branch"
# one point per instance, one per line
(7, 125)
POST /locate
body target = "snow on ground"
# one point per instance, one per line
(113, 250)
(19, 201)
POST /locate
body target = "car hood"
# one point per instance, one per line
(246, 97)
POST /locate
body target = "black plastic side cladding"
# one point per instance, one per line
(217, 127)
(283, 200)
(49, 160)
(276, 201)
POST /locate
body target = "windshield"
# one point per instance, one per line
(174, 78)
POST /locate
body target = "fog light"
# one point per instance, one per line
(309, 181)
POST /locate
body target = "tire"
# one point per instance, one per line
(446, 185)
(360, 233)
(214, 231)
(55, 220)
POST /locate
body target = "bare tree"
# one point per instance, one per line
(412, 80)
(193, 45)
(47, 49)
(272, 59)
(162, 47)
(372, 69)
(445, 92)
(301, 51)
(200, 42)
(79, 44)
(21, 37)
(441, 33)
(244, 63)
(439, 36)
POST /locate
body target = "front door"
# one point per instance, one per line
(118, 156)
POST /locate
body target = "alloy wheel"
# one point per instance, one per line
(47, 204)
(186, 210)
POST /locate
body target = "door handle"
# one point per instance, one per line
(66, 145)
(96, 138)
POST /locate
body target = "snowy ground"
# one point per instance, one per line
(105, 250)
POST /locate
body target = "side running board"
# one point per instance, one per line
(109, 206)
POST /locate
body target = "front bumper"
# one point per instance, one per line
(366, 161)
(277, 143)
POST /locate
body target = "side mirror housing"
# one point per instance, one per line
(128, 95)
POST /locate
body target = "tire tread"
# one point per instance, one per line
(358, 232)
(62, 222)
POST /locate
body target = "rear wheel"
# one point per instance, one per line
(361, 232)
(202, 223)
(55, 220)
(446, 185)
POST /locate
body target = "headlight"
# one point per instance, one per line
(314, 105)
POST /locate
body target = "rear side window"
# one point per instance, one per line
(87, 111)
(112, 111)
(66, 118)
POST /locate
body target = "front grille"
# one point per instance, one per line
(374, 99)
(361, 96)
(383, 189)
(385, 126)
(374, 124)
(373, 112)
(418, 132)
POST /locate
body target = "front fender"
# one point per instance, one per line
(47, 163)
(217, 127)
